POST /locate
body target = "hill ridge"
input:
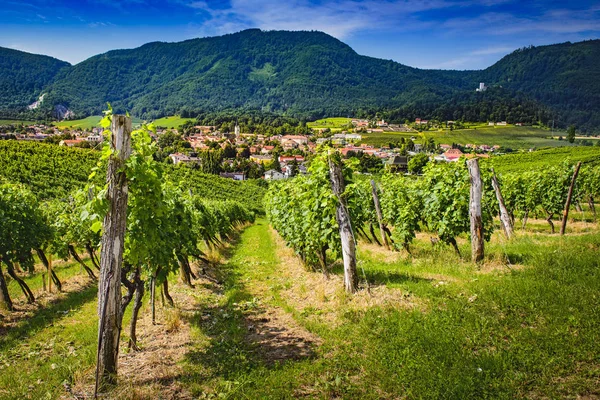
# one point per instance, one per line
(312, 74)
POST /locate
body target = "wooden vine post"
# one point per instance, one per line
(111, 257)
(343, 220)
(477, 241)
(563, 227)
(379, 215)
(50, 273)
(505, 220)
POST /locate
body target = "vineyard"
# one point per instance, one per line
(53, 172)
(135, 279)
(303, 210)
(542, 158)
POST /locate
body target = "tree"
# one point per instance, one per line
(229, 151)
(275, 164)
(571, 133)
(245, 153)
(293, 168)
(210, 161)
(417, 163)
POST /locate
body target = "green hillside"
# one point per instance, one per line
(296, 72)
(85, 123)
(309, 75)
(23, 77)
(564, 76)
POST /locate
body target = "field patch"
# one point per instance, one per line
(15, 122)
(335, 124)
(513, 137)
(171, 122)
(540, 159)
(85, 123)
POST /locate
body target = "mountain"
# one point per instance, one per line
(312, 74)
(23, 77)
(294, 72)
(564, 76)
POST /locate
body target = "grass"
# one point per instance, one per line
(514, 137)
(496, 332)
(335, 124)
(35, 282)
(87, 123)
(53, 347)
(15, 122)
(542, 158)
(523, 324)
(172, 122)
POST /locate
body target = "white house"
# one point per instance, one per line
(94, 138)
(183, 158)
(353, 136)
(273, 175)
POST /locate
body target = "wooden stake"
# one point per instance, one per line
(505, 220)
(563, 227)
(111, 259)
(345, 226)
(477, 242)
(152, 299)
(49, 273)
(379, 214)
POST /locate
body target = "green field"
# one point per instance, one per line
(87, 123)
(15, 122)
(544, 158)
(432, 325)
(174, 121)
(335, 124)
(514, 137)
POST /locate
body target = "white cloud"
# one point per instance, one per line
(559, 21)
(339, 18)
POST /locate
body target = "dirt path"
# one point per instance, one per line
(159, 369)
(155, 370)
(276, 335)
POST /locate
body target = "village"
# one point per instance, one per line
(275, 157)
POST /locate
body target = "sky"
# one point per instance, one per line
(444, 34)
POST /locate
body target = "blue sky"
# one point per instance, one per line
(448, 34)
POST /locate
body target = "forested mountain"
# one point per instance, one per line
(311, 74)
(293, 72)
(23, 76)
(563, 76)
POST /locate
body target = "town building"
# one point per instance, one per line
(274, 175)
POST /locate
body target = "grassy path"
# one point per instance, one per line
(432, 326)
(447, 330)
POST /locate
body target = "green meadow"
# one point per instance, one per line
(87, 123)
(523, 324)
(15, 122)
(335, 124)
(174, 121)
(514, 137)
